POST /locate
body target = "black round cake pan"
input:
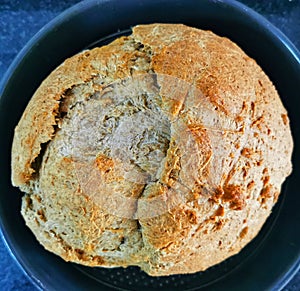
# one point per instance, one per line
(271, 258)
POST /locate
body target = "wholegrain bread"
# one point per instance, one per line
(165, 149)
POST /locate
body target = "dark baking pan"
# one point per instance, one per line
(271, 258)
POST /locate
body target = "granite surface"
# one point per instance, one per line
(21, 19)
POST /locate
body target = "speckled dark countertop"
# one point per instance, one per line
(21, 19)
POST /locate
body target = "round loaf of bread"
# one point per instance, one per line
(165, 149)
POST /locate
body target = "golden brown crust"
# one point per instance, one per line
(202, 176)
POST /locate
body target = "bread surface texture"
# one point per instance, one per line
(165, 149)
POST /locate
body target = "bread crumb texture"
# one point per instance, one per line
(165, 149)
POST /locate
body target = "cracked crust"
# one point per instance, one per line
(165, 149)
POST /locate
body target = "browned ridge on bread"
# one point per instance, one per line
(165, 149)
